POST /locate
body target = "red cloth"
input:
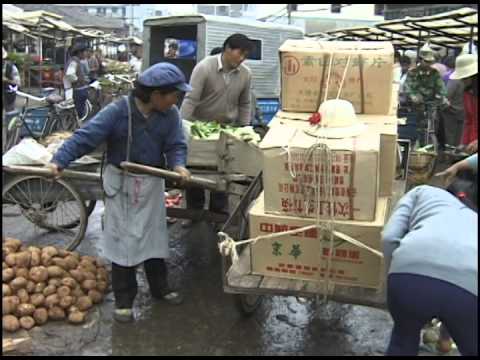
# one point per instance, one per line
(470, 130)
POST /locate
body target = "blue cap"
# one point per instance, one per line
(164, 74)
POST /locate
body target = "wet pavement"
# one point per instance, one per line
(208, 323)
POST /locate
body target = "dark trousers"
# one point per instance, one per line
(79, 99)
(9, 101)
(196, 200)
(124, 282)
(413, 300)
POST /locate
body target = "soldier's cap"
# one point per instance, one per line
(164, 74)
(427, 53)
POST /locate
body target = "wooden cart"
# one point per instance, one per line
(249, 289)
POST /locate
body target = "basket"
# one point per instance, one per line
(421, 166)
(421, 160)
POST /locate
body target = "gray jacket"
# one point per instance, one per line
(434, 234)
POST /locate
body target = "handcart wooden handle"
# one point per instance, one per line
(43, 171)
(170, 175)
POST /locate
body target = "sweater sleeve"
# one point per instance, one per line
(89, 137)
(244, 104)
(398, 225)
(473, 162)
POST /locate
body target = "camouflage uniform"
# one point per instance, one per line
(427, 86)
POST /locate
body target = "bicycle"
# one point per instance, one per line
(38, 122)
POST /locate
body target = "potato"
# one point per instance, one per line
(63, 291)
(63, 253)
(77, 275)
(18, 283)
(8, 274)
(102, 274)
(37, 300)
(40, 315)
(72, 262)
(95, 296)
(52, 300)
(70, 282)
(22, 259)
(49, 290)
(4, 265)
(10, 259)
(55, 282)
(76, 317)
(40, 287)
(10, 323)
(67, 301)
(6, 291)
(89, 284)
(38, 274)
(21, 272)
(36, 259)
(27, 322)
(23, 296)
(10, 304)
(56, 313)
(12, 243)
(72, 309)
(30, 287)
(25, 310)
(100, 263)
(50, 250)
(34, 249)
(55, 271)
(78, 292)
(46, 259)
(62, 263)
(84, 303)
(90, 259)
(89, 275)
(102, 286)
(76, 255)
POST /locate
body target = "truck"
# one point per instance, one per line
(187, 39)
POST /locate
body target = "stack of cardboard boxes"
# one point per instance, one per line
(362, 173)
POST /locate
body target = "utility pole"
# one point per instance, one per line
(290, 8)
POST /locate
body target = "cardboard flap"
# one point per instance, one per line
(345, 47)
(282, 135)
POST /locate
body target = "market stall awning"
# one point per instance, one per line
(366, 33)
(449, 29)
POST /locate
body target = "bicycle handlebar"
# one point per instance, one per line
(30, 97)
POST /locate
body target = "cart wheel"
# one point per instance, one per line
(89, 206)
(42, 211)
(248, 303)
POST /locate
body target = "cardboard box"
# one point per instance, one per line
(305, 67)
(355, 174)
(298, 256)
(384, 125)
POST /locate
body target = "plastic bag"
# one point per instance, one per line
(27, 152)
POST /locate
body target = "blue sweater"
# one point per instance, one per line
(434, 234)
(159, 136)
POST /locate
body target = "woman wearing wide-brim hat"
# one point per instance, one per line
(466, 69)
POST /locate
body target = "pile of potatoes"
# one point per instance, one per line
(48, 284)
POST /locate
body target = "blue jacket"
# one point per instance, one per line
(156, 139)
(432, 233)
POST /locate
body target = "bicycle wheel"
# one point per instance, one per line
(41, 209)
(88, 110)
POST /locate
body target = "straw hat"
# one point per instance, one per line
(427, 53)
(338, 120)
(465, 66)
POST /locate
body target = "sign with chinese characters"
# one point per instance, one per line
(308, 65)
(304, 255)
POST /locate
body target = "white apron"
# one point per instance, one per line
(135, 226)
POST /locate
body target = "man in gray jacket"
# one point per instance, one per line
(221, 92)
(430, 247)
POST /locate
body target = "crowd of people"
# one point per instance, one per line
(450, 85)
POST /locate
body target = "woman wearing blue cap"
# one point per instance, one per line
(144, 128)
